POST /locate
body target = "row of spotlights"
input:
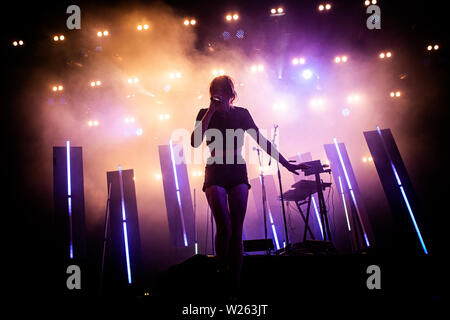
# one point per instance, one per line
(435, 47)
(175, 75)
(133, 80)
(367, 2)
(191, 22)
(96, 83)
(324, 7)
(58, 38)
(275, 11)
(197, 173)
(230, 17)
(296, 61)
(342, 59)
(141, 27)
(17, 43)
(395, 94)
(164, 116)
(216, 72)
(104, 33)
(385, 55)
(367, 159)
(259, 68)
(353, 98)
(58, 88)
(92, 123)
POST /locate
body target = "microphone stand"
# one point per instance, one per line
(287, 247)
(264, 198)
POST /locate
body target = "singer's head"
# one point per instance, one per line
(223, 87)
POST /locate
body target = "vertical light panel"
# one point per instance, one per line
(343, 201)
(318, 216)
(272, 224)
(69, 199)
(124, 225)
(352, 194)
(405, 198)
(178, 194)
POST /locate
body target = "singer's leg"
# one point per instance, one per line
(217, 200)
(237, 200)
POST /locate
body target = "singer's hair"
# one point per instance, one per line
(226, 83)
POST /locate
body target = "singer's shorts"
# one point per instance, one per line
(226, 176)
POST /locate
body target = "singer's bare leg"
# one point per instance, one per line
(237, 200)
(217, 200)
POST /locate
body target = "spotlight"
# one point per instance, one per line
(353, 98)
(321, 7)
(364, 159)
(307, 74)
(436, 47)
(328, 6)
(280, 10)
(218, 72)
(273, 11)
(392, 94)
(374, 1)
(235, 16)
(55, 38)
(229, 17)
(90, 123)
(370, 159)
(15, 43)
(193, 22)
(146, 26)
(388, 54)
(139, 131)
(95, 123)
(105, 33)
(55, 88)
(337, 59)
(397, 94)
(382, 55)
(295, 61)
(430, 47)
(60, 88)
(139, 27)
(367, 3)
(61, 37)
(99, 34)
(346, 112)
(344, 59)
(93, 84)
(98, 82)
(21, 42)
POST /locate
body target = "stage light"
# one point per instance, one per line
(307, 74)
(392, 94)
(21, 42)
(61, 37)
(216, 72)
(98, 82)
(337, 59)
(328, 6)
(146, 26)
(367, 3)
(15, 43)
(55, 88)
(99, 34)
(346, 112)
(136, 80)
(90, 123)
(60, 88)
(374, 1)
(178, 75)
(397, 94)
(388, 54)
(235, 16)
(229, 17)
(93, 84)
(402, 190)
(436, 47)
(364, 159)
(273, 11)
(55, 38)
(321, 7)
(429, 48)
(139, 27)
(344, 59)
(240, 34)
(186, 22)
(105, 33)
(193, 22)
(139, 132)
(280, 10)
(370, 159)
(382, 55)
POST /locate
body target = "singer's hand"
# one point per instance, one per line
(294, 167)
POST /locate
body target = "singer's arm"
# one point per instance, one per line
(201, 124)
(265, 144)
